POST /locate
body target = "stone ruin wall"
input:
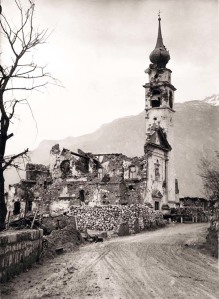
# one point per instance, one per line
(80, 178)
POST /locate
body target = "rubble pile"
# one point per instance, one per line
(58, 222)
(63, 238)
(109, 218)
(64, 235)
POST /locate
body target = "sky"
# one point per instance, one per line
(99, 50)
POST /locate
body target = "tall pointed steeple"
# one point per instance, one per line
(159, 56)
(159, 36)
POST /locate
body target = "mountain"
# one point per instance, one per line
(196, 135)
(212, 100)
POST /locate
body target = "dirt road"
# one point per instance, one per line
(159, 264)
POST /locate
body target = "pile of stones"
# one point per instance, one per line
(110, 217)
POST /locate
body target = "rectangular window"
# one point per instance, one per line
(156, 205)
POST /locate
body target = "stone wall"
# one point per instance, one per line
(35, 172)
(18, 251)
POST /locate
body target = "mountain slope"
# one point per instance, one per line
(196, 134)
(212, 100)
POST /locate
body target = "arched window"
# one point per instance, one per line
(155, 101)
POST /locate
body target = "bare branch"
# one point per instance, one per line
(8, 34)
(27, 88)
(10, 135)
(14, 157)
(13, 107)
(28, 41)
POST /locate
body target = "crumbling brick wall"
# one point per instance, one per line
(18, 251)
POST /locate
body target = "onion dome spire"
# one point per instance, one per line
(159, 56)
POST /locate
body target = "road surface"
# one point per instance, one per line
(165, 263)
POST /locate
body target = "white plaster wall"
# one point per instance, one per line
(165, 76)
(152, 184)
(164, 118)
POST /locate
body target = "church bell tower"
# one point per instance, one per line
(159, 128)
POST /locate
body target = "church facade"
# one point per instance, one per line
(112, 179)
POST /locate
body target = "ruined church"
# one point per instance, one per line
(112, 179)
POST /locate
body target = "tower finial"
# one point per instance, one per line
(159, 56)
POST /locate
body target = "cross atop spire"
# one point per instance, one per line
(159, 18)
(159, 43)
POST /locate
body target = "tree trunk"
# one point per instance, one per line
(3, 209)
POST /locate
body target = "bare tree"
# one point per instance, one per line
(22, 74)
(209, 172)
